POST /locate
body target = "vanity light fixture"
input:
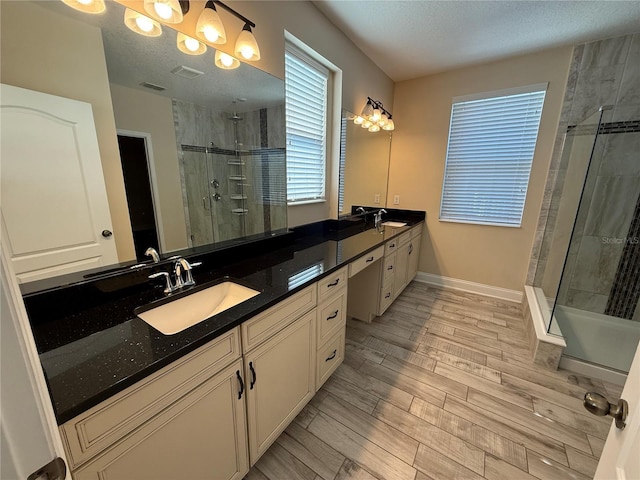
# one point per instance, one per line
(87, 6)
(226, 61)
(141, 25)
(375, 117)
(209, 26)
(168, 11)
(246, 44)
(189, 45)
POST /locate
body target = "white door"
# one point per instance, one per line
(620, 458)
(29, 437)
(55, 215)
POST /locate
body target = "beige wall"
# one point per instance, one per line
(496, 256)
(63, 57)
(153, 114)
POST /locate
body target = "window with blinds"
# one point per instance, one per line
(489, 156)
(306, 86)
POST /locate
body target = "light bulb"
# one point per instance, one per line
(358, 120)
(246, 45)
(375, 117)
(192, 44)
(374, 128)
(211, 34)
(389, 126)
(87, 6)
(85, 2)
(226, 60)
(367, 111)
(246, 52)
(163, 10)
(144, 23)
(383, 120)
(366, 124)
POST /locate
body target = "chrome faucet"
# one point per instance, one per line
(377, 218)
(181, 265)
(153, 253)
(360, 210)
(184, 265)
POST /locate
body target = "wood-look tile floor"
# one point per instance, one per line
(441, 387)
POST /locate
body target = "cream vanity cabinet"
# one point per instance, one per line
(279, 370)
(183, 421)
(214, 412)
(373, 289)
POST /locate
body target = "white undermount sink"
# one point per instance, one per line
(394, 224)
(185, 312)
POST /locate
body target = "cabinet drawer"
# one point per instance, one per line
(332, 315)
(388, 268)
(391, 246)
(331, 284)
(271, 321)
(404, 238)
(386, 297)
(109, 421)
(330, 356)
(366, 260)
(417, 230)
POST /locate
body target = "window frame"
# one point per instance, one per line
(303, 54)
(495, 95)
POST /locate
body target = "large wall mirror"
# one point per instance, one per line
(202, 149)
(364, 166)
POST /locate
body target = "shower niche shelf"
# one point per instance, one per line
(239, 211)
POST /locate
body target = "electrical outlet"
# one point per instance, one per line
(376, 198)
(396, 199)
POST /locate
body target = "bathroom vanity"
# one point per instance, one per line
(133, 402)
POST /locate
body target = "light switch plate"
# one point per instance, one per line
(396, 199)
(376, 198)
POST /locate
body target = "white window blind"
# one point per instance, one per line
(306, 85)
(489, 156)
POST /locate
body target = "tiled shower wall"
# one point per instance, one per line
(606, 72)
(200, 127)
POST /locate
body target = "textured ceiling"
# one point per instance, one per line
(409, 39)
(133, 59)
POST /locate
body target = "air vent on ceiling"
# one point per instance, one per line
(153, 86)
(187, 72)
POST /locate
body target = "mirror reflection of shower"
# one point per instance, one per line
(232, 165)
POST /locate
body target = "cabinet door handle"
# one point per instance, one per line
(332, 356)
(390, 267)
(253, 376)
(370, 259)
(387, 295)
(335, 314)
(410, 249)
(392, 245)
(333, 284)
(241, 384)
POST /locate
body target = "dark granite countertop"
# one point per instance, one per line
(92, 345)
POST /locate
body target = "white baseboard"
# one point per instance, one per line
(471, 287)
(591, 370)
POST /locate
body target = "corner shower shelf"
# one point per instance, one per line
(238, 197)
(239, 211)
(237, 177)
(235, 162)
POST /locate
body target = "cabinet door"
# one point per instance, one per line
(402, 265)
(202, 435)
(280, 377)
(414, 257)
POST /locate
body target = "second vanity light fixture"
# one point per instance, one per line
(209, 28)
(374, 117)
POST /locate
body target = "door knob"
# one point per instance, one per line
(107, 233)
(600, 406)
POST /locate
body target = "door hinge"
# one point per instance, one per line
(56, 469)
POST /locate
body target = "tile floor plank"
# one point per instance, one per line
(439, 466)
(596, 426)
(378, 461)
(384, 435)
(597, 444)
(462, 364)
(527, 418)
(399, 352)
(278, 463)
(581, 462)
(351, 394)
(352, 471)
(433, 437)
(546, 469)
(496, 469)
(490, 442)
(452, 349)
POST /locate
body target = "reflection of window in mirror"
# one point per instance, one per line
(306, 87)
